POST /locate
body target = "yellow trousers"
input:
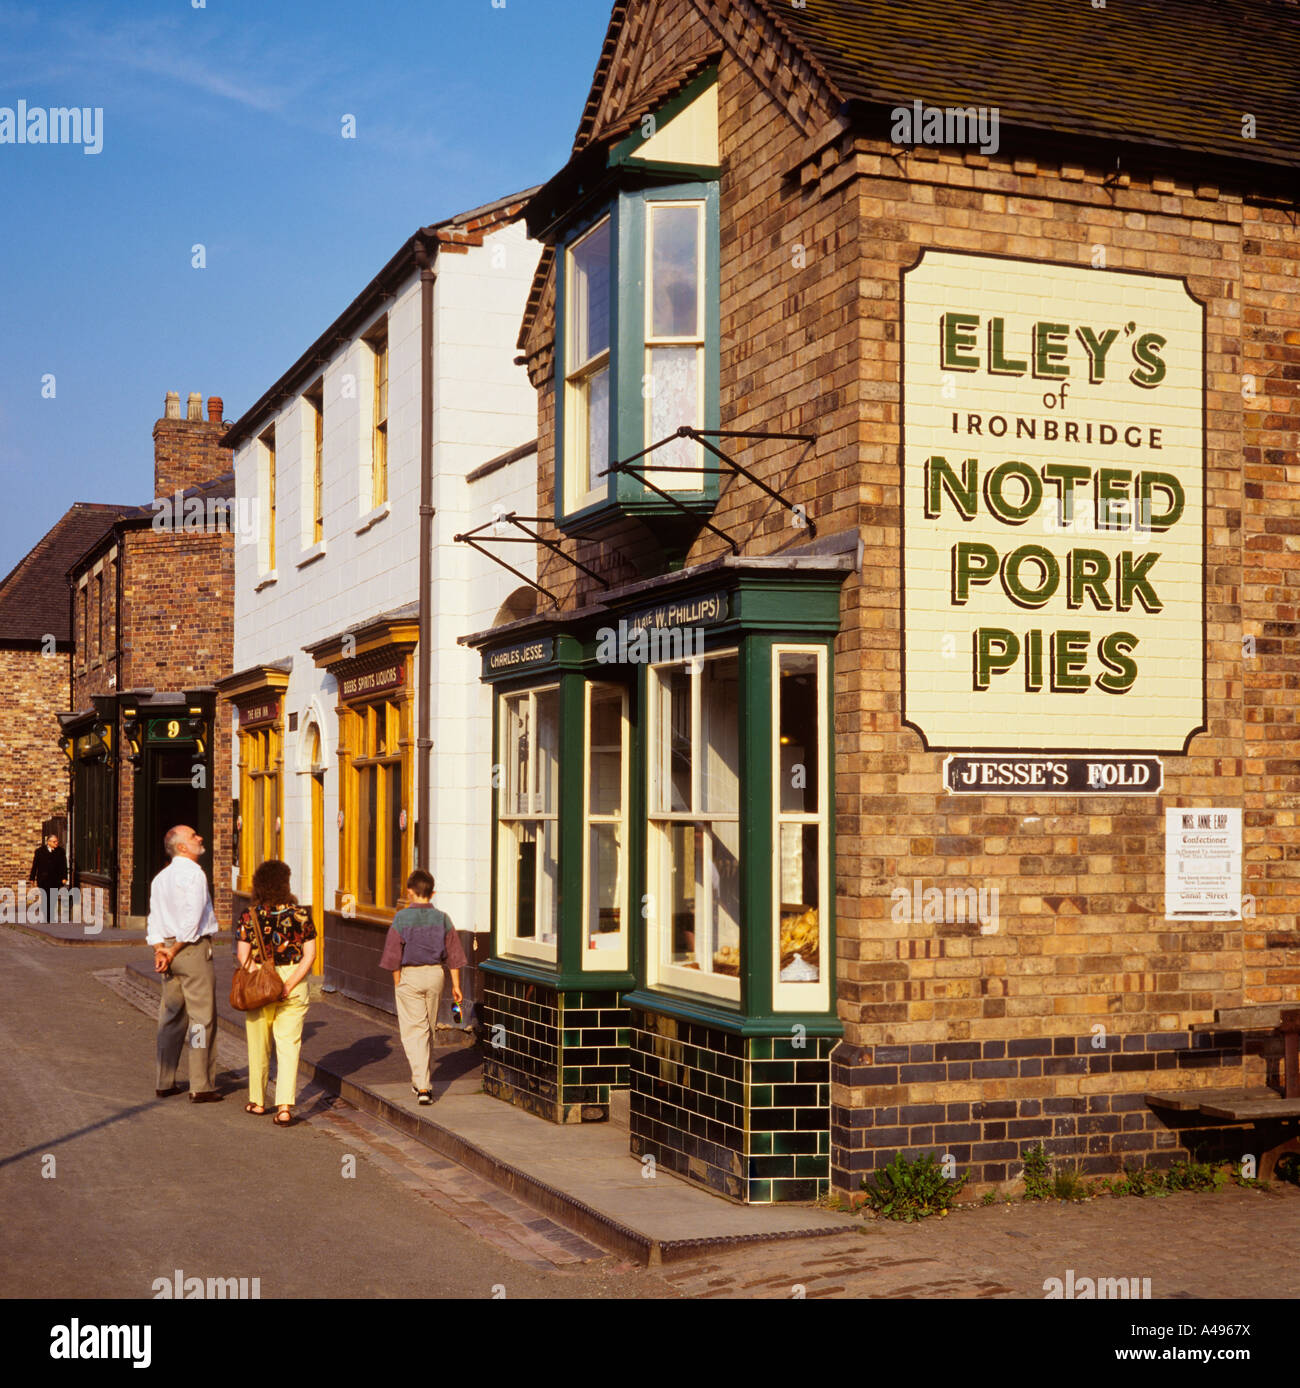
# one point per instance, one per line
(283, 1021)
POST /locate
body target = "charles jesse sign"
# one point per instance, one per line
(1053, 492)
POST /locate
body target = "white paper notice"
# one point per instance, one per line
(1203, 865)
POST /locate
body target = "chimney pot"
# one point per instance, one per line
(215, 406)
(172, 405)
(194, 406)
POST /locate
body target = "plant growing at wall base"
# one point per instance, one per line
(1037, 1174)
(910, 1190)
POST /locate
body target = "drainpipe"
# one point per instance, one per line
(424, 745)
(119, 543)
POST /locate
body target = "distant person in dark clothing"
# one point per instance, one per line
(49, 872)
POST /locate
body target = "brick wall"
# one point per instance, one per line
(34, 779)
(810, 341)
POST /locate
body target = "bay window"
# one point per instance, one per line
(637, 358)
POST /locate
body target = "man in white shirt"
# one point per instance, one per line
(181, 925)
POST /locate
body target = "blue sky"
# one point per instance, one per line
(222, 126)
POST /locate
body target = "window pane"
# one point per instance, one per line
(800, 768)
(800, 903)
(675, 272)
(605, 754)
(522, 869)
(395, 835)
(672, 788)
(674, 401)
(548, 751)
(605, 882)
(548, 881)
(368, 830)
(720, 735)
(681, 842)
(597, 398)
(516, 718)
(724, 918)
(589, 296)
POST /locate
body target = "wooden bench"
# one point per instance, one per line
(1253, 1104)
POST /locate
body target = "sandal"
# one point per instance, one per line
(283, 1117)
(254, 1108)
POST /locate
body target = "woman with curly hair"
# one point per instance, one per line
(284, 932)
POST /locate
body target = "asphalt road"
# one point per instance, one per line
(105, 1188)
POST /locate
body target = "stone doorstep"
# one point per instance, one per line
(616, 1234)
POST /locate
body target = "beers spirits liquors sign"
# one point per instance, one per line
(1053, 468)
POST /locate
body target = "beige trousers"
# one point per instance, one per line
(187, 1018)
(418, 995)
(281, 1022)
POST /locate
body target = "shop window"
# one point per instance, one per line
(605, 884)
(260, 770)
(528, 823)
(801, 866)
(693, 841)
(93, 820)
(376, 854)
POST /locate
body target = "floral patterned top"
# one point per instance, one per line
(289, 928)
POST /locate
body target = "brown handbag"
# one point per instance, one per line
(251, 987)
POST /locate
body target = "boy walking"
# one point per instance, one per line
(420, 941)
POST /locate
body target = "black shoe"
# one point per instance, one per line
(167, 1093)
(207, 1096)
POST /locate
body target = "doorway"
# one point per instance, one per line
(317, 865)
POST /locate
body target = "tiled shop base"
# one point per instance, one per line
(1097, 1132)
(555, 1054)
(748, 1117)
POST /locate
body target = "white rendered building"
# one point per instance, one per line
(417, 374)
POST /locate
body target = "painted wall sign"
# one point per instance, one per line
(1053, 468)
(372, 682)
(993, 775)
(1202, 865)
(519, 656)
(265, 712)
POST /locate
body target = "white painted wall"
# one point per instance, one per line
(483, 406)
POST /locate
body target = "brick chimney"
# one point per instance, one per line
(187, 451)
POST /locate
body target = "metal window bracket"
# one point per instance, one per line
(634, 468)
(529, 536)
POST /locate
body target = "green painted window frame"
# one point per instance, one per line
(629, 215)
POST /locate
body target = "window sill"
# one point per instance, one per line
(267, 581)
(372, 518)
(309, 556)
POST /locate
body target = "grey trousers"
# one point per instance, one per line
(187, 1018)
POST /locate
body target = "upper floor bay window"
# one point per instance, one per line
(639, 351)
